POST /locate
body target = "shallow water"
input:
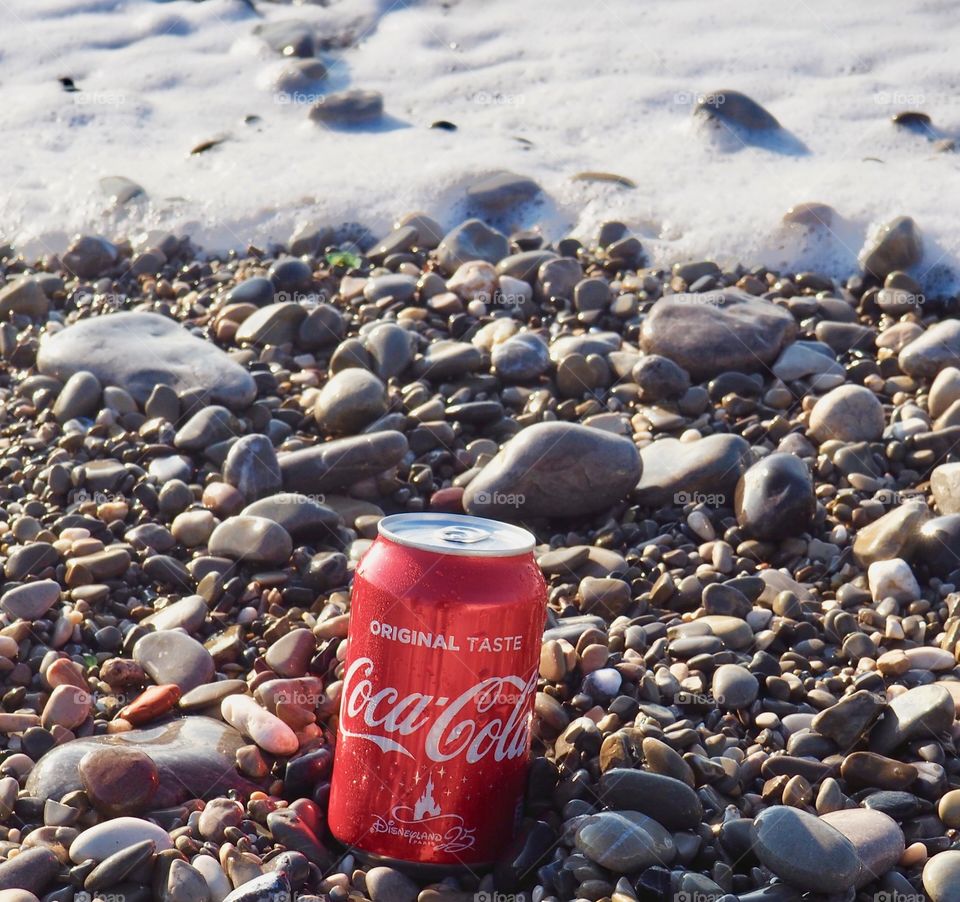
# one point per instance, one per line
(546, 88)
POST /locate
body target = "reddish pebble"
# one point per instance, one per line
(150, 704)
(67, 707)
(64, 672)
(119, 781)
(224, 500)
(121, 673)
(449, 500)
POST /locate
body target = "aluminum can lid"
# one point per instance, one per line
(457, 534)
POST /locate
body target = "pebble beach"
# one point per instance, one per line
(743, 479)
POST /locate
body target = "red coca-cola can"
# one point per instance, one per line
(439, 681)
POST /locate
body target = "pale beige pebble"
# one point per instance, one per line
(514, 293)
(930, 658)
(700, 523)
(332, 628)
(893, 629)
(67, 706)
(892, 578)
(893, 663)
(898, 335)
(64, 672)
(496, 332)
(264, 728)
(17, 895)
(949, 808)
(474, 279)
(194, 527)
(216, 879)
(553, 665)
(85, 546)
(113, 510)
(914, 855)
(944, 390)
(9, 789)
(9, 648)
(75, 534)
(63, 630)
(101, 841)
(593, 657)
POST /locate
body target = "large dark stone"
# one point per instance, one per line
(938, 545)
(195, 758)
(774, 498)
(707, 470)
(554, 470)
(338, 464)
(709, 333)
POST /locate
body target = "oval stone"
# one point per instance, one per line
(803, 850)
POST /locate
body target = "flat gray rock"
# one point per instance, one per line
(171, 656)
(335, 465)
(554, 470)
(708, 470)
(346, 108)
(876, 836)
(302, 517)
(804, 850)
(500, 192)
(933, 350)
(668, 801)
(716, 331)
(925, 711)
(895, 245)
(471, 240)
(137, 351)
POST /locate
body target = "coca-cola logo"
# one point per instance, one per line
(490, 718)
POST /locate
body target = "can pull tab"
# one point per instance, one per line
(463, 535)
